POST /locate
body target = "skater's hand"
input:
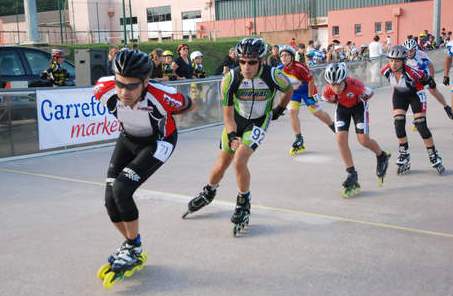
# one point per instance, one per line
(277, 112)
(446, 80)
(233, 140)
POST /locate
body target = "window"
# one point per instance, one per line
(187, 15)
(357, 29)
(378, 27)
(38, 61)
(158, 14)
(388, 26)
(335, 30)
(10, 64)
(128, 21)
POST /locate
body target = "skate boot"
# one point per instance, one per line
(203, 199)
(403, 161)
(130, 259)
(241, 215)
(107, 267)
(297, 147)
(381, 167)
(436, 161)
(351, 185)
(448, 111)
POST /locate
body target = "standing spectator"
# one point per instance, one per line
(388, 43)
(375, 52)
(111, 56)
(229, 63)
(293, 43)
(156, 59)
(375, 48)
(56, 73)
(182, 66)
(300, 53)
(274, 59)
(197, 64)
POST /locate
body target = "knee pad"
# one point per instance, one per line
(400, 125)
(422, 127)
(110, 205)
(123, 189)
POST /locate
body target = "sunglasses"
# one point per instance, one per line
(128, 86)
(251, 63)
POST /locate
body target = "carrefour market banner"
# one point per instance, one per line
(72, 116)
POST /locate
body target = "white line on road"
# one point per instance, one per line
(144, 194)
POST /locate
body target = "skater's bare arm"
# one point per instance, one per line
(228, 119)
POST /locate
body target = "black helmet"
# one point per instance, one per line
(397, 52)
(251, 48)
(132, 63)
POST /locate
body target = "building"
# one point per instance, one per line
(108, 21)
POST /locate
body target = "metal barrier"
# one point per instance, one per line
(18, 108)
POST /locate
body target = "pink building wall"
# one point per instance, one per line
(411, 18)
(244, 27)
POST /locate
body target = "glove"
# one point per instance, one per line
(431, 82)
(277, 112)
(231, 136)
(446, 80)
(448, 111)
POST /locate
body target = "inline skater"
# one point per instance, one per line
(351, 97)
(145, 111)
(419, 60)
(304, 89)
(248, 93)
(408, 89)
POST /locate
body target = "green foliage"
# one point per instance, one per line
(213, 52)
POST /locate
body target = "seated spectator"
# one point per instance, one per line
(197, 64)
(182, 65)
(167, 70)
(300, 53)
(274, 59)
(156, 59)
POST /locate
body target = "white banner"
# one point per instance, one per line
(72, 116)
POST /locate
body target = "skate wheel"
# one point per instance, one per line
(129, 273)
(103, 270)
(440, 170)
(109, 280)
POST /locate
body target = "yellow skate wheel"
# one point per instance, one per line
(129, 273)
(109, 280)
(103, 270)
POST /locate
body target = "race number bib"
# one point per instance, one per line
(422, 96)
(257, 135)
(163, 150)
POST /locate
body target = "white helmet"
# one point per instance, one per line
(410, 44)
(288, 49)
(195, 54)
(336, 73)
(397, 52)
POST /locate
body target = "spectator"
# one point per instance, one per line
(388, 43)
(182, 66)
(293, 43)
(197, 64)
(300, 53)
(375, 48)
(111, 56)
(167, 70)
(274, 59)
(230, 62)
(156, 59)
(56, 73)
